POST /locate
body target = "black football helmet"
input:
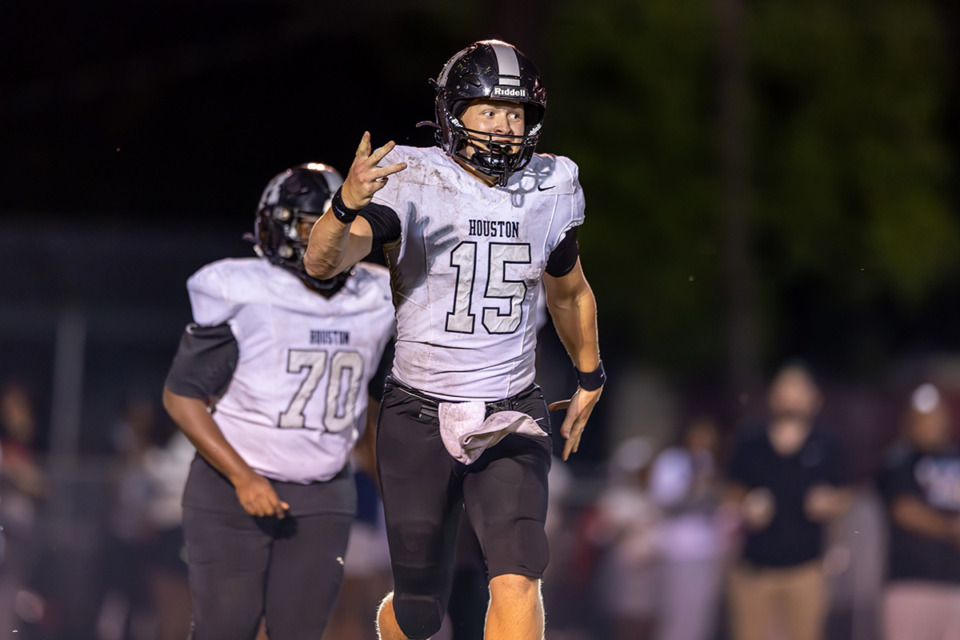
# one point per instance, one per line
(291, 203)
(498, 71)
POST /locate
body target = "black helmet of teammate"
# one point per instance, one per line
(493, 70)
(291, 203)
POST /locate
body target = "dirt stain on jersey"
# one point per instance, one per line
(444, 185)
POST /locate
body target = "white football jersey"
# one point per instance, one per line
(466, 273)
(297, 401)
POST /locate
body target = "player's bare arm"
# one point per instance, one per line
(254, 492)
(574, 312)
(336, 245)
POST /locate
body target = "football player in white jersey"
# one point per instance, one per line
(270, 384)
(470, 228)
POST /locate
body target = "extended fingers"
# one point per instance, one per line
(363, 149)
(572, 444)
(579, 408)
(573, 423)
(377, 155)
(383, 172)
(367, 177)
(572, 428)
(370, 158)
(573, 440)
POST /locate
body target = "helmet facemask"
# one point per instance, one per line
(494, 154)
(291, 204)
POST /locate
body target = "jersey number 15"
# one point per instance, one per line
(501, 254)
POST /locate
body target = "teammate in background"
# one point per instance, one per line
(471, 228)
(269, 384)
(789, 480)
(920, 486)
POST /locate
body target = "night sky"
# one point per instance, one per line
(186, 109)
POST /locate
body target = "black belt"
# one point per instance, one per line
(430, 406)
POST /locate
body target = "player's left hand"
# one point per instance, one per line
(579, 408)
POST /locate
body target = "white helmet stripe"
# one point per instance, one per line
(507, 63)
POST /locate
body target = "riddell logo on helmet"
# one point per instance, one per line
(508, 92)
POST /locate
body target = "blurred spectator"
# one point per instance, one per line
(148, 595)
(920, 486)
(20, 468)
(625, 525)
(23, 486)
(685, 485)
(788, 479)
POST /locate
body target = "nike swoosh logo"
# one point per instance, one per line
(543, 188)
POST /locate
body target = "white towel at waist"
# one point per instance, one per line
(466, 434)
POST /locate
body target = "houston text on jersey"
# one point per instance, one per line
(495, 228)
(319, 336)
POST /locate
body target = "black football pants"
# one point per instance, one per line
(243, 568)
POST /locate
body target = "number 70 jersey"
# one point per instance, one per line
(297, 401)
(467, 270)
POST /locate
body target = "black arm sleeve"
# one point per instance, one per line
(205, 362)
(564, 256)
(384, 222)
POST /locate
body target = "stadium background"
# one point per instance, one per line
(764, 180)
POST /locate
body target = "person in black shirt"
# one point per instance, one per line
(789, 479)
(920, 486)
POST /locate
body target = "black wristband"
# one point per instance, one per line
(593, 380)
(343, 213)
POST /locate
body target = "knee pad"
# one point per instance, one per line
(419, 617)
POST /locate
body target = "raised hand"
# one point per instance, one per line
(365, 178)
